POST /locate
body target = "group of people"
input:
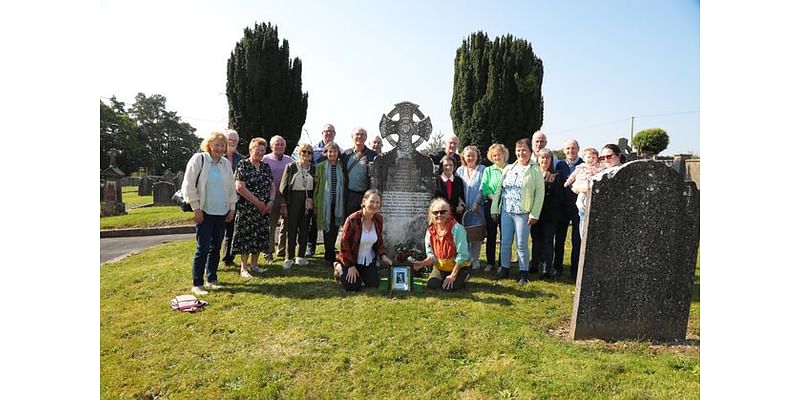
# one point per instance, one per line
(244, 200)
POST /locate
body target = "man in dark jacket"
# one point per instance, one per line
(565, 168)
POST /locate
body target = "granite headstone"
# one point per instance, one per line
(404, 177)
(145, 186)
(162, 194)
(638, 258)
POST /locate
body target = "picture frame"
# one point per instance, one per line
(401, 278)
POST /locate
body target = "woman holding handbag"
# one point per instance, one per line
(208, 188)
(471, 173)
(297, 187)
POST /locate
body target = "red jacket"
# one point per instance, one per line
(351, 238)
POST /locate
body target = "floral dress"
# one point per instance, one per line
(251, 227)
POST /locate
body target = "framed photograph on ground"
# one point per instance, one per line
(400, 278)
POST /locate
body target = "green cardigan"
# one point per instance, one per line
(532, 191)
(322, 195)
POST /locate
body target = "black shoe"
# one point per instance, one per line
(503, 273)
(523, 277)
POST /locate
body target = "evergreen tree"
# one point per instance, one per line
(264, 88)
(650, 142)
(497, 91)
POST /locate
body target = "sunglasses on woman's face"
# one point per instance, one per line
(440, 212)
(305, 152)
(603, 158)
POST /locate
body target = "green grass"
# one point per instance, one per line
(148, 217)
(296, 334)
(131, 198)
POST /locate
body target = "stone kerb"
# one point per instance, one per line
(638, 257)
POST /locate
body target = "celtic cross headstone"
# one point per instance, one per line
(404, 176)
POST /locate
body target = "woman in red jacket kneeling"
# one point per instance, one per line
(361, 246)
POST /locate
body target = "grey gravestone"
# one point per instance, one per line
(638, 257)
(168, 176)
(178, 180)
(145, 186)
(404, 176)
(162, 194)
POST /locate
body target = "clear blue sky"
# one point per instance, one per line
(603, 61)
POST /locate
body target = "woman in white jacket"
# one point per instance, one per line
(209, 187)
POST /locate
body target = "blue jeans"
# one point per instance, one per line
(514, 225)
(206, 257)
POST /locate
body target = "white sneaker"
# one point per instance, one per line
(287, 264)
(488, 268)
(213, 285)
(301, 261)
(243, 272)
(199, 291)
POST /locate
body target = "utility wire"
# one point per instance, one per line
(625, 120)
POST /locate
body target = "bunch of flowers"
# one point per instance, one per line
(408, 252)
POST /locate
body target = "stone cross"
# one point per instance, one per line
(113, 153)
(405, 128)
(638, 258)
(404, 177)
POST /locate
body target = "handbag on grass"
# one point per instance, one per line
(187, 302)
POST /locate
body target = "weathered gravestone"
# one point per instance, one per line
(168, 176)
(405, 177)
(145, 186)
(178, 180)
(112, 188)
(162, 194)
(638, 257)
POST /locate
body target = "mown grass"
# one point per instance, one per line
(146, 217)
(131, 198)
(296, 334)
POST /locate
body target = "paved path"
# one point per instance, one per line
(111, 248)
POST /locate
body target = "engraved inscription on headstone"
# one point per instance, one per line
(404, 176)
(639, 254)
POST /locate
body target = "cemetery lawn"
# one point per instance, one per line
(297, 334)
(131, 198)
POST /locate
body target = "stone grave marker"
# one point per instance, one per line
(112, 188)
(178, 180)
(638, 257)
(145, 186)
(162, 194)
(405, 177)
(168, 176)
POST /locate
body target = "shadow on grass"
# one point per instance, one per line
(314, 281)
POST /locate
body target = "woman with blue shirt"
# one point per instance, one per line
(471, 172)
(517, 205)
(208, 186)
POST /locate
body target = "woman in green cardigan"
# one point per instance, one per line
(517, 206)
(329, 198)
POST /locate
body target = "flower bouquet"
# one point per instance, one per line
(408, 252)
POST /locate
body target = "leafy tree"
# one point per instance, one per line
(264, 87)
(650, 142)
(168, 141)
(435, 143)
(497, 91)
(119, 131)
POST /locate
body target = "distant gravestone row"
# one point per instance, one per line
(161, 187)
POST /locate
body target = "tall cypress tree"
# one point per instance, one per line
(264, 88)
(497, 91)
